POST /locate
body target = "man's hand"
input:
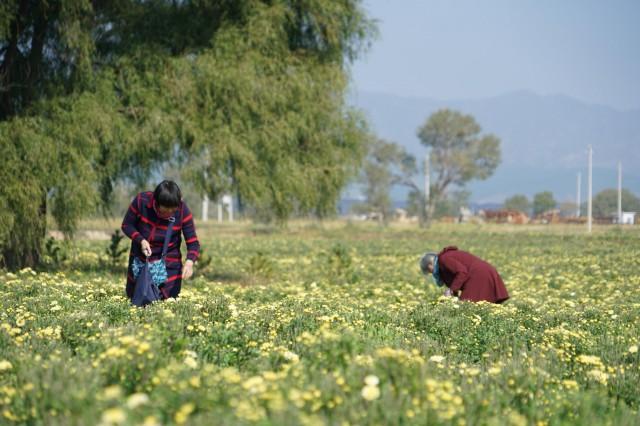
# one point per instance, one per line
(146, 248)
(187, 270)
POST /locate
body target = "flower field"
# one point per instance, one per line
(332, 326)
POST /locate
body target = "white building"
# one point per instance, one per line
(628, 218)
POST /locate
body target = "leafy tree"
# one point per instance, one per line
(517, 202)
(450, 204)
(542, 202)
(458, 152)
(605, 203)
(386, 164)
(97, 92)
(567, 208)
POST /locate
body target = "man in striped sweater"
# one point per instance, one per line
(146, 223)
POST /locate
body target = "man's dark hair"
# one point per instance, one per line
(167, 194)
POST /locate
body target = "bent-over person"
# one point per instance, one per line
(465, 275)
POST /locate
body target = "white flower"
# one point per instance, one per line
(633, 349)
(137, 399)
(436, 358)
(191, 363)
(371, 380)
(290, 356)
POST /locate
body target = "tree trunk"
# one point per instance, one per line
(8, 72)
(25, 250)
(34, 74)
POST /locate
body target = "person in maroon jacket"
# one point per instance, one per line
(146, 223)
(465, 275)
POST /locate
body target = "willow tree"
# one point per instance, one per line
(250, 92)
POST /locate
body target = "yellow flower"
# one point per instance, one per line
(598, 375)
(494, 371)
(254, 385)
(370, 393)
(231, 375)
(5, 365)
(150, 421)
(633, 349)
(112, 392)
(113, 416)
(589, 360)
(183, 413)
(436, 358)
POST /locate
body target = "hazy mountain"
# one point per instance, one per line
(544, 139)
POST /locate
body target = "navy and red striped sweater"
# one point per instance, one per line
(142, 222)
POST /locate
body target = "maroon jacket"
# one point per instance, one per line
(477, 279)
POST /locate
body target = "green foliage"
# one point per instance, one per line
(518, 202)
(386, 164)
(260, 265)
(458, 152)
(205, 261)
(55, 252)
(340, 265)
(113, 251)
(448, 205)
(542, 202)
(451, 204)
(605, 202)
(244, 96)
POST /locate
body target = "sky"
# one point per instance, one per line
(466, 49)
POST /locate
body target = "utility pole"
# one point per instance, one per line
(427, 187)
(619, 193)
(589, 191)
(578, 196)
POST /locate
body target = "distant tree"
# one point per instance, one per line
(518, 202)
(386, 164)
(450, 204)
(415, 203)
(459, 153)
(567, 208)
(605, 203)
(542, 202)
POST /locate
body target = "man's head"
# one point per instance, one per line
(426, 262)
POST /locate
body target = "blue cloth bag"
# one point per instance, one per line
(146, 291)
(150, 275)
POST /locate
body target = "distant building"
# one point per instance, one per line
(628, 218)
(504, 216)
(465, 215)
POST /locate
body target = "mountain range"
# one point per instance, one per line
(544, 140)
